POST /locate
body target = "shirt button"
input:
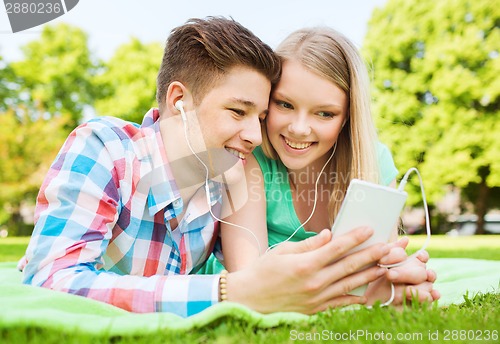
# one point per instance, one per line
(177, 203)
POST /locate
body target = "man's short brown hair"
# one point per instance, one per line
(201, 51)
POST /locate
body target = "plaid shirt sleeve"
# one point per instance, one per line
(77, 209)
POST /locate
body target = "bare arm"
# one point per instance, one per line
(241, 246)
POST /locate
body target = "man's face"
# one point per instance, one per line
(229, 120)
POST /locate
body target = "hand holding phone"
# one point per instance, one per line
(372, 205)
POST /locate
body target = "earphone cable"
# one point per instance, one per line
(207, 189)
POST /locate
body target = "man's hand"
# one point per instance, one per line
(308, 276)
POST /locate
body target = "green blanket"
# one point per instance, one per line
(26, 305)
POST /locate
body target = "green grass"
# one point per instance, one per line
(13, 248)
(476, 246)
(477, 318)
(468, 322)
(441, 246)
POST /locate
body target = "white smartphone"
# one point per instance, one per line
(372, 205)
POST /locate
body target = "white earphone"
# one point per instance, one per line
(179, 105)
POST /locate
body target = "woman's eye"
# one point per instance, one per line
(325, 114)
(284, 104)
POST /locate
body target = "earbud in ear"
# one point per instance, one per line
(179, 105)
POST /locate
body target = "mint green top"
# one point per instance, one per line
(282, 220)
(281, 217)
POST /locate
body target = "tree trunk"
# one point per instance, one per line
(14, 223)
(481, 206)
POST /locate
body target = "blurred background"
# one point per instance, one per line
(434, 66)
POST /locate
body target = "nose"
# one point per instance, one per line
(251, 132)
(299, 125)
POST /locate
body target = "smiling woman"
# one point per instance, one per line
(307, 113)
(320, 126)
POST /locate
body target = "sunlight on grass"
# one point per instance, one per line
(440, 246)
(13, 248)
(443, 246)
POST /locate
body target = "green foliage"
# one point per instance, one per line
(7, 85)
(44, 96)
(129, 81)
(55, 76)
(437, 90)
(27, 148)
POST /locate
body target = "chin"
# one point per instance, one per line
(293, 164)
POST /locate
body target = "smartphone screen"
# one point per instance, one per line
(372, 205)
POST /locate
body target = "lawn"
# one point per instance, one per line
(443, 246)
(13, 248)
(476, 320)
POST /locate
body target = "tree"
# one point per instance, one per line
(43, 97)
(27, 147)
(9, 86)
(56, 73)
(437, 92)
(129, 81)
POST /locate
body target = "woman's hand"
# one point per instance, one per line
(411, 280)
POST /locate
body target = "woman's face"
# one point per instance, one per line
(306, 115)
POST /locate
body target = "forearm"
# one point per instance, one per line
(244, 233)
(183, 295)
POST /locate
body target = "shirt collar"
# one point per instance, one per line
(163, 190)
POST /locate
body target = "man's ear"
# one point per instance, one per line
(177, 91)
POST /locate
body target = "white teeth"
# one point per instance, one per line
(236, 153)
(298, 145)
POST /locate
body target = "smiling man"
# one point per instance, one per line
(123, 208)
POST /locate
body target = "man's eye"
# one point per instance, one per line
(239, 112)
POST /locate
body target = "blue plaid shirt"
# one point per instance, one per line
(102, 223)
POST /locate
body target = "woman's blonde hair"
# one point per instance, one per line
(331, 55)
